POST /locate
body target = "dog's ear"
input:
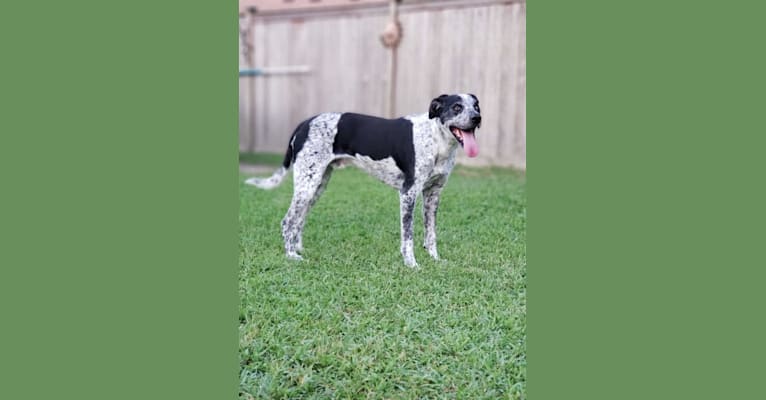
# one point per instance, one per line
(474, 97)
(436, 106)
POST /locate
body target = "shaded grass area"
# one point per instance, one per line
(351, 321)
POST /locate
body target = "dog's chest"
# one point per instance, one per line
(435, 156)
(443, 165)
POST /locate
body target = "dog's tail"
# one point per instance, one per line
(271, 182)
(276, 178)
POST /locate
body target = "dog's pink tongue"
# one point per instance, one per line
(469, 144)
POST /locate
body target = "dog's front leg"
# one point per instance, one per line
(407, 208)
(430, 205)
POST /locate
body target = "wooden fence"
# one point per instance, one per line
(474, 47)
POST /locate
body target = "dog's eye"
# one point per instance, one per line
(457, 108)
(476, 107)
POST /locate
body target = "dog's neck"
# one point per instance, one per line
(446, 134)
(446, 143)
(444, 140)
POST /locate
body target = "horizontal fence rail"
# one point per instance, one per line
(288, 70)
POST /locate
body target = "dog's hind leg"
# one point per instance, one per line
(307, 184)
(320, 189)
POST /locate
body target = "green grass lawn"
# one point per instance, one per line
(352, 322)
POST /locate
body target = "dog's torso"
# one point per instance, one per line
(395, 151)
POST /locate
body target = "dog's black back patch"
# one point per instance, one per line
(297, 140)
(378, 138)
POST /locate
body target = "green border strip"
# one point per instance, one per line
(645, 200)
(119, 230)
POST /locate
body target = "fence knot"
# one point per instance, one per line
(392, 34)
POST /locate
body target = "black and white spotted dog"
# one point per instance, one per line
(414, 154)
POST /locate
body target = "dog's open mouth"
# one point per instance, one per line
(466, 139)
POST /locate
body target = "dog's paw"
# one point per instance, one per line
(412, 264)
(294, 256)
(432, 252)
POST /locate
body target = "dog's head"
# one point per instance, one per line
(461, 115)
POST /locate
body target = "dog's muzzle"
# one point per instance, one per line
(467, 139)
